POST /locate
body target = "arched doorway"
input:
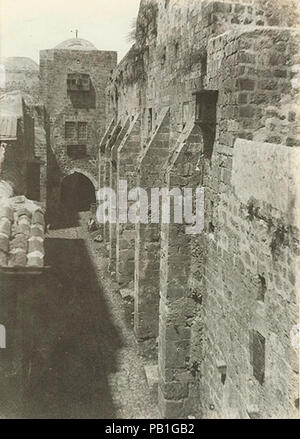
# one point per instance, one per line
(77, 192)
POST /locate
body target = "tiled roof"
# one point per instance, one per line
(21, 233)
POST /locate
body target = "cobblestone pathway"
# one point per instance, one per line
(86, 363)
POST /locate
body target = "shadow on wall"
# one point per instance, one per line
(76, 340)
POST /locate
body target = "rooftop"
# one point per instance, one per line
(20, 63)
(11, 104)
(76, 44)
(21, 233)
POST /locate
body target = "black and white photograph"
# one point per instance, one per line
(149, 212)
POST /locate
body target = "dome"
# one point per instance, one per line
(20, 64)
(76, 44)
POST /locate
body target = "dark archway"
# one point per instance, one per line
(77, 192)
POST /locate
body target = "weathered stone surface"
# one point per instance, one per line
(63, 106)
(19, 248)
(152, 377)
(267, 173)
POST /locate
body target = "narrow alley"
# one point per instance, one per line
(86, 363)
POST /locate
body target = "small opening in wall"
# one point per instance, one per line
(297, 403)
(176, 48)
(257, 355)
(262, 288)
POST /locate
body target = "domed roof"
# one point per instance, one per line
(20, 63)
(76, 44)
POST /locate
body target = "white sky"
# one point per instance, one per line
(26, 26)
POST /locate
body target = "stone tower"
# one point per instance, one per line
(73, 79)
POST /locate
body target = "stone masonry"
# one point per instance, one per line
(147, 247)
(207, 97)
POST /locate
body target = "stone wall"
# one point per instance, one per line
(227, 296)
(127, 156)
(147, 242)
(250, 289)
(20, 73)
(18, 313)
(25, 165)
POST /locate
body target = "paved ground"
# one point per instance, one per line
(86, 363)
